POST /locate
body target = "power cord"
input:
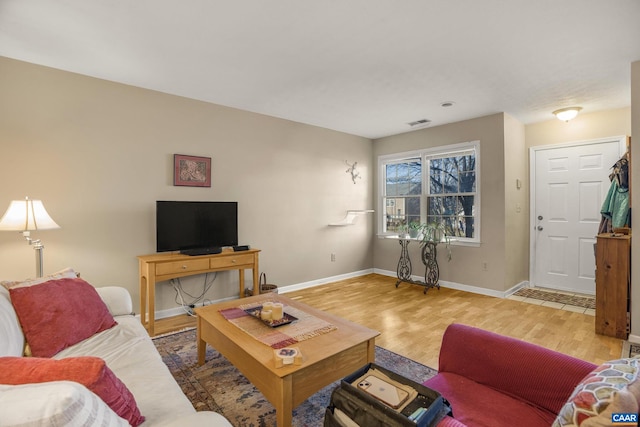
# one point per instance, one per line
(188, 307)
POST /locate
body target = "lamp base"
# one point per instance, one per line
(38, 247)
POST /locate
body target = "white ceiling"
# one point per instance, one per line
(366, 67)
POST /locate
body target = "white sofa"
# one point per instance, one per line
(129, 353)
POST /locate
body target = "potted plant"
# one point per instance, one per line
(402, 231)
(414, 229)
(435, 233)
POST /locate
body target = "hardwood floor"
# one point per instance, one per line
(412, 324)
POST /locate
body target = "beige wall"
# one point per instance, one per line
(466, 265)
(505, 208)
(99, 154)
(516, 203)
(635, 213)
(586, 126)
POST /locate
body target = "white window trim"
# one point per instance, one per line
(425, 155)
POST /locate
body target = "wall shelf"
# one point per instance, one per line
(351, 217)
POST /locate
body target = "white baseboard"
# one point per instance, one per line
(176, 311)
(305, 285)
(634, 339)
(311, 284)
(460, 286)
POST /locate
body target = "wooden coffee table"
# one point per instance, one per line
(326, 358)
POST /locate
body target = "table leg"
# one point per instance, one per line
(144, 296)
(241, 280)
(256, 279)
(202, 345)
(284, 406)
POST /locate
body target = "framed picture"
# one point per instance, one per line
(191, 171)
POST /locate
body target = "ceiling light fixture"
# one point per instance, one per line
(566, 114)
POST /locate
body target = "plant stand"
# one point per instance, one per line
(431, 274)
(404, 263)
(431, 270)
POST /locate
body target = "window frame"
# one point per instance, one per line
(425, 155)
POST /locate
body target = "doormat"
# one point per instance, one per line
(219, 386)
(575, 300)
(630, 349)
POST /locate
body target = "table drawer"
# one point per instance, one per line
(231, 261)
(181, 266)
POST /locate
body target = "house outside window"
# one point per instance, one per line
(437, 185)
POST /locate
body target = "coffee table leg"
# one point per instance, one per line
(284, 406)
(202, 345)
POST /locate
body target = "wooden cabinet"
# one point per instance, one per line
(613, 282)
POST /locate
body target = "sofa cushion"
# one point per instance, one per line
(92, 372)
(55, 403)
(11, 336)
(476, 405)
(600, 389)
(66, 273)
(624, 401)
(132, 356)
(59, 313)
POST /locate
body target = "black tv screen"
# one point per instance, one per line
(195, 225)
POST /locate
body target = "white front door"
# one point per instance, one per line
(569, 184)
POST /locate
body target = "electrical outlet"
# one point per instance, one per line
(333, 257)
(485, 265)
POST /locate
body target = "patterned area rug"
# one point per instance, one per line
(578, 301)
(219, 386)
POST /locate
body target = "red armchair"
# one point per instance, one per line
(496, 381)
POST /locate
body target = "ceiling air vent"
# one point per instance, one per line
(420, 122)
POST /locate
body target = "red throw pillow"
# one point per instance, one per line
(92, 372)
(59, 313)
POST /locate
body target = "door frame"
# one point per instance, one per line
(622, 148)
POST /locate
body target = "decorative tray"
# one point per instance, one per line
(286, 318)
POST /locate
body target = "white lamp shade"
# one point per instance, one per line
(27, 215)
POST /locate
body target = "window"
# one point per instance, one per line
(403, 188)
(438, 185)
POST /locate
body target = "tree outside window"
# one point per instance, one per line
(432, 186)
(452, 188)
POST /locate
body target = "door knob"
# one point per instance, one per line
(539, 228)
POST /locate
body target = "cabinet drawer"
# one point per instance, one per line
(180, 266)
(231, 261)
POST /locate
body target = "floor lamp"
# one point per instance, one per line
(26, 216)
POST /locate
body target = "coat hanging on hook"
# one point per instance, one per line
(615, 209)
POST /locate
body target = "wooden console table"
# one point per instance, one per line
(160, 267)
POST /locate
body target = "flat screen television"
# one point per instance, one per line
(183, 226)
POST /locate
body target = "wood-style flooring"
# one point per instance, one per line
(412, 324)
